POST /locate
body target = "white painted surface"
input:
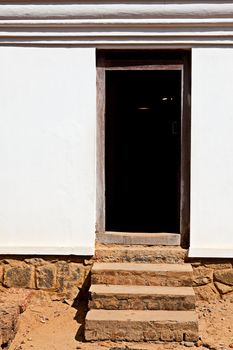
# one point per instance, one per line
(123, 24)
(47, 150)
(212, 153)
(211, 252)
(121, 9)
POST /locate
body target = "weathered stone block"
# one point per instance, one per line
(21, 276)
(122, 325)
(202, 276)
(223, 288)
(178, 336)
(46, 277)
(206, 292)
(151, 334)
(191, 336)
(160, 239)
(141, 298)
(76, 273)
(224, 276)
(70, 276)
(175, 275)
(35, 261)
(167, 335)
(139, 254)
(220, 266)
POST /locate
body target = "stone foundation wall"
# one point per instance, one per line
(61, 276)
(213, 279)
(65, 277)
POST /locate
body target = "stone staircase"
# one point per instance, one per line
(141, 293)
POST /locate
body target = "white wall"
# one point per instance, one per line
(212, 153)
(47, 150)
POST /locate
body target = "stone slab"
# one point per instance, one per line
(164, 239)
(142, 267)
(131, 325)
(19, 276)
(142, 274)
(139, 254)
(224, 276)
(119, 297)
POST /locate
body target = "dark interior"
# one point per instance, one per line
(142, 150)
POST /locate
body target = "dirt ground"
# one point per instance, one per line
(55, 325)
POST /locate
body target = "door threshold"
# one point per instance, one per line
(137, 238)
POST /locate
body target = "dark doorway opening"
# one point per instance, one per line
(142, 150)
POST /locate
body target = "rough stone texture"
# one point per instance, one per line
(207, 276)
(36, 261)
(64, 277)
(12, 303)
(135, 302)
(25, 272)
(46, 277)
(202, 276)
(223, 288)
(22, 276)
(141, 325)
(139, 254)
(141, 298)
(207, 292)
(8, 323)
(142, 274)
(220, 266)
(70, 277)
(224, 276)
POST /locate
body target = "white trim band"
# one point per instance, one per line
(210, 253)
(122, 9)
(81, 251)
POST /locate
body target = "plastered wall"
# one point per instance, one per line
(212, 153)
(47, 150)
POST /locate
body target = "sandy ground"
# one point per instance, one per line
(55, 325)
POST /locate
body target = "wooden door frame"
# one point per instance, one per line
(182, 63)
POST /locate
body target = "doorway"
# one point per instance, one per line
(142, 150)
(143, 142)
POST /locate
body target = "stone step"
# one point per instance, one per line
(170, 239)
(140, 325)
(118, 297)
(175, 275)
(140, 254)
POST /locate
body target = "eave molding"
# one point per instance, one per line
(116, 23)
(115, 9)
(105, 24)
